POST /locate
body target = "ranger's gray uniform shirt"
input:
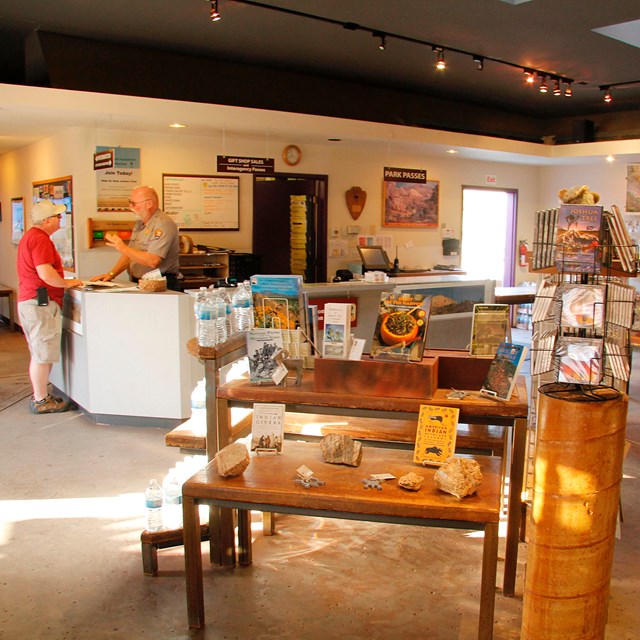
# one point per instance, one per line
(158, 236)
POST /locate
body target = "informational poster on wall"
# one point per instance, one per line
(202, 203)
(117, 173)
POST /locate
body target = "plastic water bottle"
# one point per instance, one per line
(242, 307)
(199, 407)
(153, 501)
(218, 314)
(225, 292)
(205, 321)
(172, 509)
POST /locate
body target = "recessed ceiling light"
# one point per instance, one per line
(177, 125)
(452, 151)
(610, 158)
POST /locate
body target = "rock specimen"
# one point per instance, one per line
(232, 460)
(458, 476)
(340, 449)
(412, 481)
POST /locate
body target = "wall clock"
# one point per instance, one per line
(292, 155)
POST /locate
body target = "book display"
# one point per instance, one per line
(503, 371)
(583, 311)
(278, 301)
(401, 327)
(489, 328)
(435, 434)
(262, 347)
(337, 330)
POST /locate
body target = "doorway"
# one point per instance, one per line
(272, 224)
(489, 233)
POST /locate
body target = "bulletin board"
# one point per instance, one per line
(202, 203)
(60, 191)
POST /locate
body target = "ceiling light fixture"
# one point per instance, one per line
(531, 73)
(557, 91)
(568, 92)
(607, 93)
(178, 125)
(383, 39)
(543, 84)
(214, 14)
(610, 158)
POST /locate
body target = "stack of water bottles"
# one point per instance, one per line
(164, 502)
(210, 311)
(220, 313)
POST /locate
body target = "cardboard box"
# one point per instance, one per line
(377, 378)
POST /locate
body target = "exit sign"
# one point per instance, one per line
(491, 180)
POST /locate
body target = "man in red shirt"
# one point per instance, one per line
(41, 286)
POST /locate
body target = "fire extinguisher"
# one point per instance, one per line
(523, 253)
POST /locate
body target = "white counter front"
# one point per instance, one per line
(124, 357)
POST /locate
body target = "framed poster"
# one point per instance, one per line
(202, 203)
(411, 204)
(60, 191)
(17, 219)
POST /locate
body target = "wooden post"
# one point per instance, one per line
(577, 474)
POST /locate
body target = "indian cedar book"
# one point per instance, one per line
(436, 434)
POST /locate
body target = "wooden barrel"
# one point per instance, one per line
(572, 522)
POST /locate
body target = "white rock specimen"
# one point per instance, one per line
(458, 476)
(412, 481)
(232, 460)
(340, 449)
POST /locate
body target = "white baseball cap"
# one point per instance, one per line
(44, 209)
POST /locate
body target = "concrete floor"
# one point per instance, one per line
(71, 513)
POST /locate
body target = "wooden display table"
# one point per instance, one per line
(269, 485)
(305, 399)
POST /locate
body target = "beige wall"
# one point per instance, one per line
(356, 163)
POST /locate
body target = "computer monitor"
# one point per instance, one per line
(374, 258)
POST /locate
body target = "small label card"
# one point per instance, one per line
(383, 476)
(304, 472)
(357, 347)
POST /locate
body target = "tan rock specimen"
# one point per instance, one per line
(458, 476)
(232, 460)
(340, 449)
(412, 481)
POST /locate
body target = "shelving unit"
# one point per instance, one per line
(98, 228)
(612, 367)
(204, 268)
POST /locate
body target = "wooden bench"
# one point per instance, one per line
(7, 292)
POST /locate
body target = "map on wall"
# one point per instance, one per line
(202, 203)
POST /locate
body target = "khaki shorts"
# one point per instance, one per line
(42, 326)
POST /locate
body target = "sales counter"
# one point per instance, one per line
(123, 359)
(453, 297)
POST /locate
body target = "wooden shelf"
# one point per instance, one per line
(97, 229)
(204, 268)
